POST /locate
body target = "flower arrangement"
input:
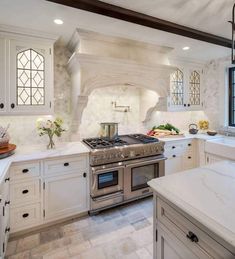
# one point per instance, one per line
(203, 124)
(50, 128)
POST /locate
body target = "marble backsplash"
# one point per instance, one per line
(99, 108)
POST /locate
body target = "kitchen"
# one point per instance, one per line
(94, 106)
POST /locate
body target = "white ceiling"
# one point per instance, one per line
(206, 15)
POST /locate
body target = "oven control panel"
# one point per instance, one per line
(105, 156)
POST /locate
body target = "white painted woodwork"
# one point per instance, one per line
(65, 165)
(25, 170)
(11, 43)
(24, 217)
(180, 155)
(25, 192)
(65, 195)
(173, 227)
(3, 95)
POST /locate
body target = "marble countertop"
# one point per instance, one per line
(191, 136)
(207, 194)
(27, 153)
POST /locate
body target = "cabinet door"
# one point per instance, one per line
(3, 101)
(30, 78)
(65, 196)
(194, 89)
(177, 88)
(173, 165)
(169, 247)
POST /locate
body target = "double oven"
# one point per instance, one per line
(119, 182)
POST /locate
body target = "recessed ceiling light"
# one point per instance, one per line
(186, 48)
(58, 21)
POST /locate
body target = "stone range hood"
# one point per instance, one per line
(103, 61)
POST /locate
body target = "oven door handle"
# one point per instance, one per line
(108, 196)
(147, 162)
(94, 171)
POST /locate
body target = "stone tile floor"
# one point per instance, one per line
(120, 233)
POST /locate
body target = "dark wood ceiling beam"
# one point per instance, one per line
(128, 15)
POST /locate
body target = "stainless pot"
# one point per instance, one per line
(109, 130)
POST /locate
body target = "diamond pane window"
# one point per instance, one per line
(177, 88)
(30, 78)
(194, 88)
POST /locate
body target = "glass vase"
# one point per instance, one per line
(51, 144)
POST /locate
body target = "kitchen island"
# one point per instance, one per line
(194, 213)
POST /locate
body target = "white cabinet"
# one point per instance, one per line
(66, 195)
(4, 214)
(180, 155)
(26, 72)
(186, 88)
(177, 237)
(210, 159)
(3, 95)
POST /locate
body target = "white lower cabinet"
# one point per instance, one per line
(180, 155)
(177, 237)
(43, 191)
(210, 159)
(65, 195)
(4, 214)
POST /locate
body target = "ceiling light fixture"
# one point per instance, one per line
(58, 21)
(186, 48)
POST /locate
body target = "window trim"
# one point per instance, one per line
(231, 119)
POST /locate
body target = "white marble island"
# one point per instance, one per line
(195, 213)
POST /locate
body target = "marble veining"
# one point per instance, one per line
(206, 194)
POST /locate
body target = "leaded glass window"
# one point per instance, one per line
(30, 78)
(194, 88)
(177, 88)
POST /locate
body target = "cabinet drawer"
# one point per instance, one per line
(25, 216)
(25, 192)
(65, 165)
(180, 226)
(24, 171)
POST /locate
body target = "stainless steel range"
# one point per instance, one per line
(121, 167)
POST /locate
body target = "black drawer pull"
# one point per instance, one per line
(185, 105)
(7, 229)
(189, 145)
(192, 237)
(12, 106)
(173, 147)
(66, 164)
(1, 105)
(174, 156)
(25, 215)
(84, 175)
(25, 191)
(24, 171)
(188, 105)
(189, 157)
(7, 203)
(7, 179)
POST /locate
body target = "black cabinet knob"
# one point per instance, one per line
(173, 147)
(174, 156)
(12, 106)
(24, 171)
(7, 229)
(7, 179)
(192, 237)
(185, 105)
(66, 164)
(84, 175)
(25, 215)
(25, 191)
(189, 145)
(1, 105)
(189, 157)
(7, 203)
(188, 104)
